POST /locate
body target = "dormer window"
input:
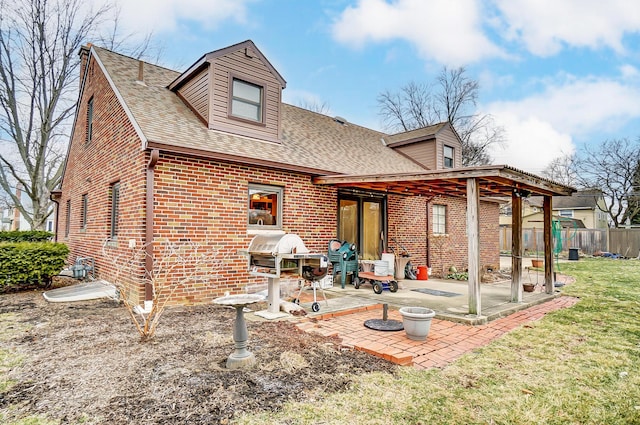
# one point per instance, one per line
(247, 100)
(448, 156)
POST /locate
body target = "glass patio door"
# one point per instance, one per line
(360, 221)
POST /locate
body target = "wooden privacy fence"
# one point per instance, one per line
(588, 241)
(625, 242)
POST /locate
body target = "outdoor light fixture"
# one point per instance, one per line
(521, 193)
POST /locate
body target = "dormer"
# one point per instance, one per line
(235, 90)
(435, 147)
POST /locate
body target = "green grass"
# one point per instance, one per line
(579, 365)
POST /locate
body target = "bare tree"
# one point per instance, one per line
(453, 97)
(612, 167)
(562, 170)
(321, 107)
(39, 44)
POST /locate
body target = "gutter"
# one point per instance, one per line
(148, 260)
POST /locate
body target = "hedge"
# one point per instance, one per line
(28, 263)
(26, 236)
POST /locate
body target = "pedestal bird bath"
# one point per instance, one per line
(241, 357)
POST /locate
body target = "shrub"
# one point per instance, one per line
(26, 236)
(28, 263)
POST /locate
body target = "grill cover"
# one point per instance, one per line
(275, 244)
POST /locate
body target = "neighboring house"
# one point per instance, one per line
(587, 206)
(212, 155)
(581, 210)
(12, 218)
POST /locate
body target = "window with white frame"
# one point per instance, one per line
(265, 206)
(439, 219)
(448, 156)
(566, 213)
(246, 100)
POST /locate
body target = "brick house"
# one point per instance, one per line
(212, 155)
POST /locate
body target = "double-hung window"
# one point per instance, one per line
(439, 219)
(448, 156)
(247, 100)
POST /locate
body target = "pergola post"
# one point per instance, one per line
(516, 247)
(548, 244)
(473, 235)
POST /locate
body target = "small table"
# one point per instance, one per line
(241, 357)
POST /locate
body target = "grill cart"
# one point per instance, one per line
(271, 255)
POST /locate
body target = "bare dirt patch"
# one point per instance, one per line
(84, 362)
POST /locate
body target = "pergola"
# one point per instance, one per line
(474, 183)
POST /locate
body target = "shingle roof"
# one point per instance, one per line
(310, 140)
(582, 199)
(419, 133)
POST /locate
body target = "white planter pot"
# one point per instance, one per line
(417, 322)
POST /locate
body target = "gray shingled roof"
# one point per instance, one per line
(582, 199)
(419, 133)
(309, 139)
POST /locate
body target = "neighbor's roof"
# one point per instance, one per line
(582, 199)
(310, 142)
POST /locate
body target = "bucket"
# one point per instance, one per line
(391, 262)
(380, 268)
(422, 273)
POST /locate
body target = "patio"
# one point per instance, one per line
(453, 331)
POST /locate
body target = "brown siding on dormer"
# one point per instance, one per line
(252, 70)
(424, 153)
(196, 93)
(449, 138)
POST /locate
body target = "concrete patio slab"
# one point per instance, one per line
(81, 292)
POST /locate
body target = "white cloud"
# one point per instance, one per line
(546, 26)
(541, 127)
(629, 72)
(531, 142)
(579, 107)
(166, 15)
(449, 32)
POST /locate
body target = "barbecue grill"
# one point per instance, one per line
(271, 255)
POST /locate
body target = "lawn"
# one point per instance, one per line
(580, 365)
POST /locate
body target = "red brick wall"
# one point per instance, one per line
(112, 155)
(407, 227)
(408, 218)
(206, 201)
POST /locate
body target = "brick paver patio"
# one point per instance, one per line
(446, 340)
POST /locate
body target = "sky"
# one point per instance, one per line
(556, 75)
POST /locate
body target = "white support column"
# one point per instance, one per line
(473, 234)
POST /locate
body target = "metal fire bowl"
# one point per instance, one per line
(384, 325)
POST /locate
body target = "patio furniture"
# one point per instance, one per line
(344, 260)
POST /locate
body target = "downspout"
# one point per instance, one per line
(428, 256)
(55, 197)
(148, 261)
